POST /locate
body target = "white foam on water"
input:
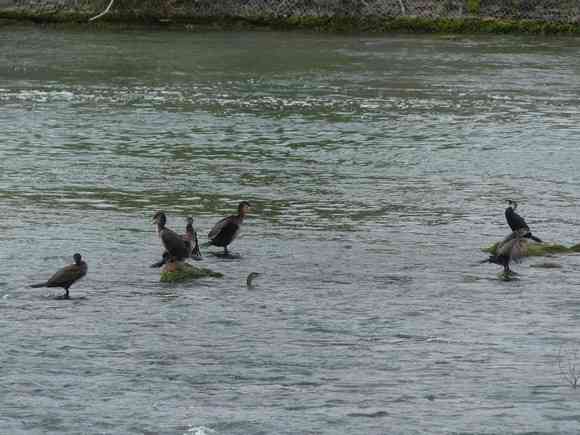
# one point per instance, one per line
(200, 430)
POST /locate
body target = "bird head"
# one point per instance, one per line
(512, 204)
(159, 218)
(77, 258)
(250, 278)
(189, 228)
(243, 208)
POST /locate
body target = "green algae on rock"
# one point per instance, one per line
(539, 249)
(185, 272)
(507, 276)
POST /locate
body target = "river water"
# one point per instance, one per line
(377, 166)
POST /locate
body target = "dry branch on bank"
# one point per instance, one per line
(105, 12)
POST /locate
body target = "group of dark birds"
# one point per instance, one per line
(181, 247)
(177, 247)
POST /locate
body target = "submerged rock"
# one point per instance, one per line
(507, 276)
(177, 272)
(547, 265)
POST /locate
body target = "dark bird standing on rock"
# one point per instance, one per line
(226, 230)
(189, 239)
(66, 276)
(172, 242)
(517, 223)
(510, 249)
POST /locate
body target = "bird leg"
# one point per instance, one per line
(65, 296)
(506, 265)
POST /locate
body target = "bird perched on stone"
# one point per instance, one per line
(171, 241)
(190, 242)
(517, 223)
(510, 249)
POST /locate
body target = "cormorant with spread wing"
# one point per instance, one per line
(190, 240)
(510, 249)
(191, 245)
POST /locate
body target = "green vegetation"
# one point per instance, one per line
(539, 249)
(473, 7)
(336, 24)
(186, 272)
(507, 276)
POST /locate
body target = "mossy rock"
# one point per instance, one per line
(507, 276)
(539, 249)
(545, 248)
(179, 272)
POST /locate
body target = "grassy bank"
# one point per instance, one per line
(319, 24)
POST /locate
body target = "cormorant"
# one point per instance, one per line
(512, 248)
(190, 239)
(517, 223)
(66, 276)
(191, 245)
(250, 279)
(226, 230)
(172, 242)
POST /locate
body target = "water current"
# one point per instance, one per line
(377, 167)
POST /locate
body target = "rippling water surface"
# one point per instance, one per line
(378, 167)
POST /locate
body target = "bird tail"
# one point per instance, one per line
(41, 284)
(159, 263)
(491, 259)
(536, 239)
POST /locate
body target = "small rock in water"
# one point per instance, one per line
(547, 265)
(509, 276)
